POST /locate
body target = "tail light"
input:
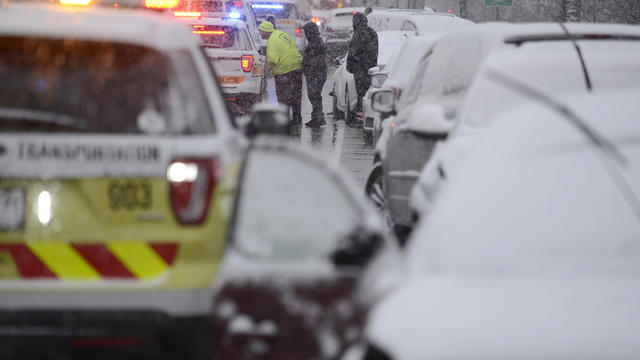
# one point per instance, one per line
(191, 184)
(237, 4)
(246, 62)
(298, 31)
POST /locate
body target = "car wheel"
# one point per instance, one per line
(375, 191)
(337, 114)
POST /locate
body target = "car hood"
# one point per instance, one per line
(471, 317)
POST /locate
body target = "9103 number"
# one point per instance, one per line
(129, 195)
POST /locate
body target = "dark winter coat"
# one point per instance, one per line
(314, 60)
(363, 49)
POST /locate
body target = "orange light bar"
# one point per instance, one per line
(75, 2)
(198, 26)
(161, 4)
(209, 32)
(314, 19)
(187, 13)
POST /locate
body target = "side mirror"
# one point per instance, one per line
(357, 248)
(268, 118)
(383, 101)
(430, 120)
(378, 79)
(263, 50)
(373, 70)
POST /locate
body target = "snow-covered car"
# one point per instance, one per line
(288, 18)
(532, 251)
(442, 76)
(428, 23)
(288, 290)
(235, 58)
(394, 77)
(390, 19)
(610, 63)
(344, 87)
(338, 30)
(118, 162)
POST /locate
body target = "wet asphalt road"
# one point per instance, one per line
(339, 144)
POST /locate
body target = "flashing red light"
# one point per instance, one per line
(187, 14)
(209, 32)
(237, 4)
(449, 11)
(353, 13)
(246, 62)
(393, 124)
(298, 32)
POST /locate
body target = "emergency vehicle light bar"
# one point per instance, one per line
(268, 6)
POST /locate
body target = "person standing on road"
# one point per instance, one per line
(285, 62)
(363, 55)
(314, 66)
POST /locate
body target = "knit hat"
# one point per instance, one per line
(266, 26)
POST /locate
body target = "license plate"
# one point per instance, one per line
(231, 79)
(12, 208)
(129, 195)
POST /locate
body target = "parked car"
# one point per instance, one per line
(394, 77)
(610, 64)
(118, 164)
(288, 283)
(344, 93)
(288, 16)
(532, 250)
(236, 59)
(390, 19)
(428, 23)
(338, 30)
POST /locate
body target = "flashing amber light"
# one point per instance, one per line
(315, 20)
(246, 62)
(198, 26)
(161, 4)
(237, 4)
(116, 5)
(209, 32)
(75, 2)
(187, 14)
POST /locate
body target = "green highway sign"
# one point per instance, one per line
(498, 2)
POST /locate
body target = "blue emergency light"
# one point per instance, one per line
(268, 6)
(234, 15)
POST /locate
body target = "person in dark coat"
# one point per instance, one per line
(363, 55)
(314, 67)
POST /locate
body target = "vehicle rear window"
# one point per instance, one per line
(66, 85)
(217, 36)
(279, 11)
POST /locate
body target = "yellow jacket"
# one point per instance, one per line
(282, 54)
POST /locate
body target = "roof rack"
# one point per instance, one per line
(519, 40)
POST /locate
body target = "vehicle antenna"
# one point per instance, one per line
(587, 78)
(608, 149)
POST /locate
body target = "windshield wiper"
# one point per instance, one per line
(585, 72)
(44, 117)
(595, 138)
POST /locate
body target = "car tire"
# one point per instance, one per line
(375, 191)
(337, 114)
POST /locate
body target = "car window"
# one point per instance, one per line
(225, 37)
(279, 11)
(297, 226)
(408, 26)
(98, 87)
(411, 94)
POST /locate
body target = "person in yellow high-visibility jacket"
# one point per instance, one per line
(285, 62)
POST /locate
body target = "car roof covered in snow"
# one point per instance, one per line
(140, 27)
